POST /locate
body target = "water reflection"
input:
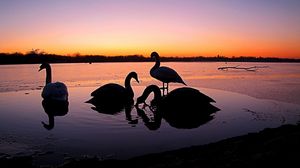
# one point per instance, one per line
(185, 119)
(112, 108)
(54, 108)
(115, 108)
(153, 123)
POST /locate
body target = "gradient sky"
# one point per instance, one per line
(170, 27)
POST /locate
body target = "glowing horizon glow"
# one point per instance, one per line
(170, 27)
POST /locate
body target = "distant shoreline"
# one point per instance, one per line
(35, 58)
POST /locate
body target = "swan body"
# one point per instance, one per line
(181, 108)
(53, 91)
(187, 95)
(179, 99)
(113, 94)
(184, 94)
(164, 74)
(110, 91)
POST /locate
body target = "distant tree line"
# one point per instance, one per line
(37, 56)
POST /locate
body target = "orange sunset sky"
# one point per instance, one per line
(268, 28)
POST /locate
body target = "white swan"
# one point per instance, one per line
(164, 74)
(53, 91)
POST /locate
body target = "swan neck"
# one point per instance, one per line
(157, 94)
(157, 63)
(48, 75)
(128, 86)
(149, 90)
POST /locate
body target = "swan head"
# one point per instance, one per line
(154, 55)
(140, 100)
(149, 89)
(44, 66)
(134, 76)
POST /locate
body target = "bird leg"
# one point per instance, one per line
(163, 89)
(167, 88)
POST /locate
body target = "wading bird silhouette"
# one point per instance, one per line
(164, 74)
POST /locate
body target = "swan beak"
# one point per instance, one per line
(137, 80)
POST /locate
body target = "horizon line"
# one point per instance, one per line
(77, 54)
(33, 52)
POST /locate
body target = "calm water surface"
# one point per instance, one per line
(267, 100)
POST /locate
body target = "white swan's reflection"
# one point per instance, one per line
(54, 108)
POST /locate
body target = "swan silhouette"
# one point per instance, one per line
(54, 108)
(113, 97)
(181, 108)
(164, 74)
(180, 96)
(53, 91)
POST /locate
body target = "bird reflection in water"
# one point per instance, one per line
(111, 108)
(115, 109)
(152, 123)
(54, 108)
(181, 108)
